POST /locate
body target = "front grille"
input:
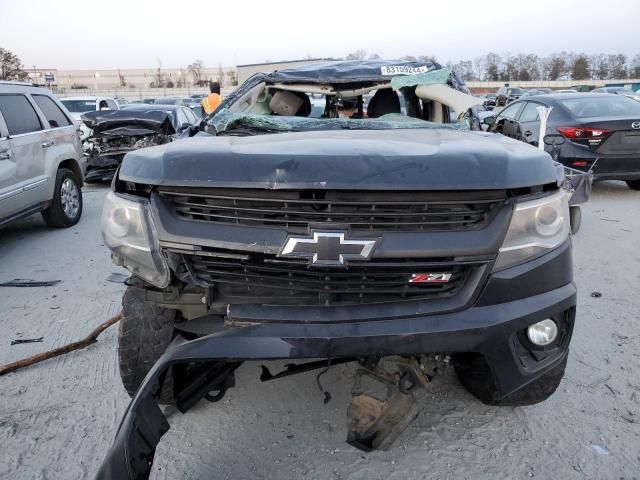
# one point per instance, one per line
(300, 211)
(267, 279)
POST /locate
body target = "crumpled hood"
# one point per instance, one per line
(430, 159)
(129, 122)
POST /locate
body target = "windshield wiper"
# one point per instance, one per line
(242, 130)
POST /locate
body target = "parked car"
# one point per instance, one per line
(490, 100)
(602, 127)
(79, 105)
(121, 101)
(532, 93)
(135, 126)
(168, 101)
(149, 100)
(405, 243)
(195, 105)
(565, 90)
(508, 94)
(41, 160)
(627, 92)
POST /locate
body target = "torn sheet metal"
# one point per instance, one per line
(458, 101)
(24, 282)
(350, 71)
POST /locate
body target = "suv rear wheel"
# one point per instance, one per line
(476, 376)
(145, 333)
(66, 206)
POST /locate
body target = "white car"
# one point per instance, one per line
(79, 105)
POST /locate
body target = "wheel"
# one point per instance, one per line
(477, 378)
(145, 333)
(575, 219)
(634, 184)
(66, 206)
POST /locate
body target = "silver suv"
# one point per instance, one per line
(41, 161)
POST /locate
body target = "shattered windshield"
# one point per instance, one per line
(226, 121)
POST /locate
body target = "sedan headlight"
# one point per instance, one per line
(537, 226)
(128, 231)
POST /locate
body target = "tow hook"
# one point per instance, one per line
(383, 403)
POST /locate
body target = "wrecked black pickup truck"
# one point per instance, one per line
(309, 218)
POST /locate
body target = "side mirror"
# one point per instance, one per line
(489, 120)
(553, 140)
(184, 126)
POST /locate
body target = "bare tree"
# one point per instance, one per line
(464, 68)
(480, 67)
(427, 58)
(493, 66)
(232, 76)
(220, 79)
(617, 66)
(11, 67)
(196, 69)
(634, 67)
(374, 56)
(357, 55)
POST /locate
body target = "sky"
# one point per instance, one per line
(89, 34)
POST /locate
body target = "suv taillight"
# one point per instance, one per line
(584, 133)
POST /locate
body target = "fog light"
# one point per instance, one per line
(543, 333)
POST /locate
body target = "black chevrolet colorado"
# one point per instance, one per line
(336, 231)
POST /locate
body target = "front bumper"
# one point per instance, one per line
(101, 167)
(511, 301)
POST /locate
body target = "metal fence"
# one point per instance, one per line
(137, 94)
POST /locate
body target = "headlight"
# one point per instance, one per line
(128, 231)
(537, 226)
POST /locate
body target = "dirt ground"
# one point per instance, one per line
(57, 419)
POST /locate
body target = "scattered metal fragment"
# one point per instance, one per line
(25, 282)
(117, 277)
(18, 341)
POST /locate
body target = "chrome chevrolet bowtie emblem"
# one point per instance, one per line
(328, 248)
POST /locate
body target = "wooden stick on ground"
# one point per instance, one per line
(85, 342)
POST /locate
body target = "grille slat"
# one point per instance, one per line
(289, 281)
(405, 211)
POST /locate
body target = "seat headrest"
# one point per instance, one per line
(383, 101)
(285, 103)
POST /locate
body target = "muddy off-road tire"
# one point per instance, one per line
(65, 209)
(476, 376)
(145, 332)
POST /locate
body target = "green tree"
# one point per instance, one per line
(580, 70)
(11, 67)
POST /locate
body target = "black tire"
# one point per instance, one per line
(145, 333)
(56, 215)
(633, 184)
(477, 378)
(575, 219)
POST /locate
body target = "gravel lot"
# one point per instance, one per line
(58, 418)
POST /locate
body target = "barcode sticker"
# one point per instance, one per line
(403, 70)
